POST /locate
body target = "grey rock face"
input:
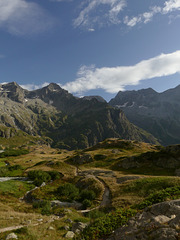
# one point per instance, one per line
(158, 222)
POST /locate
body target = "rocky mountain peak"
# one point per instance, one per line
(53, 87)
(98, 98)
(13, 91)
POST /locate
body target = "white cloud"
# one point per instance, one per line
(31, 87)
(91, 15)
(115, 79)
(169, 6)
(21, 17)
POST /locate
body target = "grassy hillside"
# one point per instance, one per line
(103, 179)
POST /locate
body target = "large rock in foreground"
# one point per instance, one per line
(158, 222)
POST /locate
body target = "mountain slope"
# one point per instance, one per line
(69, 121)
(157, 113)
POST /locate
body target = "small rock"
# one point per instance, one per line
(11, 236)
(67, 210)
(40, 220)
(66, 227)
(28, 222)
(43, 184)
(68, 220)
(79, 226)
(51, 228)
(162, 219)
(69, 234)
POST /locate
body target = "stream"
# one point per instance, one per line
(4, 179)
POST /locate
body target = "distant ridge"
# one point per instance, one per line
(157, 113)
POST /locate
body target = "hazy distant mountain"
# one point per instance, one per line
(157, 113)
(69, 121)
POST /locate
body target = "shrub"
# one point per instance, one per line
(39, 176)
(86, 203)
(13, 152)
(163, 195)
(96, 214)
(99, 157)
(54, 175)
(44, 206)
(68, 191)
(104, 226)
(87, 194)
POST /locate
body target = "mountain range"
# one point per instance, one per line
(68, 122)
(71, 122)
(157, 113)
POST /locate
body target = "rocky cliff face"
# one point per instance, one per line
(157, 113)
(160, 221)
(69, 121)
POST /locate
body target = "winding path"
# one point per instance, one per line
(106, 199)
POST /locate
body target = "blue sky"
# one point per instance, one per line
(90, 47)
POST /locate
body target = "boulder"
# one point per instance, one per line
(160, 221)
(11, 236)
(69, 234)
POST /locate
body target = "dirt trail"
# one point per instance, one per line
(106, 199)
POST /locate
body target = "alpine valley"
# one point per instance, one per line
(78, 168)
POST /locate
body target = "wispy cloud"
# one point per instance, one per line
(169, 6)
(116, 78)
(92, 15)
(21, 17)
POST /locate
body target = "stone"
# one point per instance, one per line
(68, 220)
(79, 226)
(69, 234)
(51, 228)
(162, 219)
(11, 236)
(28, 222)
(66, 227)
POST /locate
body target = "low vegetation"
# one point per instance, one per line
(69, 181)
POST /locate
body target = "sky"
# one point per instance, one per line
(91, 47)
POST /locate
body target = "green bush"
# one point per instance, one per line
(54, 175)
(161, 196)
(99, 157)
(15, 167)
(87, 194)
(13, 152)
(104, 226)
(68, 192)
(44, 206)
(86, 203)
(39, 176)
(96, 214)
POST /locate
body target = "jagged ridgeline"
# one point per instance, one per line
(157, 113)
(68, 121)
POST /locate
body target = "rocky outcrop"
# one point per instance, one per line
(82, 159)
(160, 221)
(166, 157)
